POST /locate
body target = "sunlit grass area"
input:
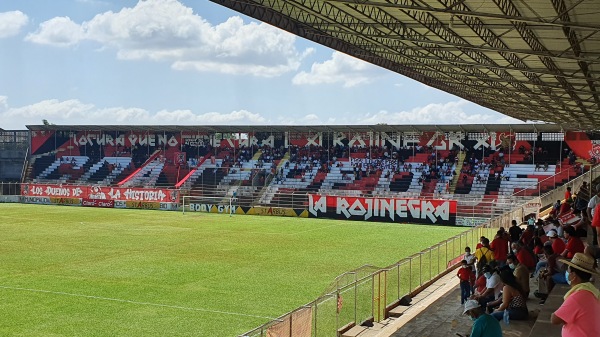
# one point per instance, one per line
(72, 271)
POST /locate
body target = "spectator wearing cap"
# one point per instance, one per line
(591, 210)
(484, 325)
(574, 243)
(580, 311)
(558, 245)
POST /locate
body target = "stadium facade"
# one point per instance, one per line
(354, 172)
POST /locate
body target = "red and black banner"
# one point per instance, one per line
(100, 192)
(422, 211)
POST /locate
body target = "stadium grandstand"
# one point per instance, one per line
(531, 60)
(280, 166)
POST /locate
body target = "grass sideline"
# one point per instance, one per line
(72, 271)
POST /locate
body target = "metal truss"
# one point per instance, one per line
(532, 60)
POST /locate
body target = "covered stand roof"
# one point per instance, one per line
(529, 59)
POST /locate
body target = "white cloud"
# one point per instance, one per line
(73, 112)
(437, 113)
(59, 31)
(166, 30)
(11, 23)
(341, 68)
(455, 112)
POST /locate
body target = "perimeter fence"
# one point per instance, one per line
(10, 188)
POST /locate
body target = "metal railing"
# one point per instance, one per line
(10, 188)
(590, 177)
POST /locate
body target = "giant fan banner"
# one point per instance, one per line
(100, 192)
(425, 211)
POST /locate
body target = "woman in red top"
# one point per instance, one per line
(480, 284)
(574, 244)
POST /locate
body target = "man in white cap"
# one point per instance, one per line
(484, 325)
(558, 245)
(580, 311)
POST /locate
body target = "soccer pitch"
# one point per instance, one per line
(73, 271)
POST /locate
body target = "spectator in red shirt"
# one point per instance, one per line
(523, 255)
(558, 245)
(480, 284)
(574, 243)
(500, 247)
(464, 275)
(568, 194)
(527, 236)
(565, 207)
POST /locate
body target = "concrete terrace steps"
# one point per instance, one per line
(437, 312)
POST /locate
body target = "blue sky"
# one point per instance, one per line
(193, 63)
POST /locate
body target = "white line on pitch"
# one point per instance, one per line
(134, 302)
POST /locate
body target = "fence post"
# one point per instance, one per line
(420, 269)
(447, 253)
(438, 262)
(355, 296)
(315, 320)
(409, 275)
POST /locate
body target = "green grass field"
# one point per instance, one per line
(71, 271)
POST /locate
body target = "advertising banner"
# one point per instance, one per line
(425, 211)
(35, 200)
(97, 203)
(212, 208)
(65, 201)
(142, 204)
(100, 192)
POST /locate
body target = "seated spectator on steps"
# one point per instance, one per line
(574, 243)
(520, 272)
(513, 298)
(484, 325)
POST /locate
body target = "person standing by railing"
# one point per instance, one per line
(464, 275)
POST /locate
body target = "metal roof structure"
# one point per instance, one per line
(536, 60)
(307, 128)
